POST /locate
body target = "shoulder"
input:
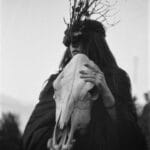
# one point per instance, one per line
(123, 77)
(49, 81)
(47, 91)
(122, 84)
(117, 73)
(123, 74)
(118, 81)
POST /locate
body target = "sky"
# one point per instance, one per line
(31, 44)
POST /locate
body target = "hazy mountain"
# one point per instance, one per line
(10, 104)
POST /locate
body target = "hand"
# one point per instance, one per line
(95, 76)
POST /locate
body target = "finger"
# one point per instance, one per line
(87, 72)
(83, 72)
(87, 76)
(94, 75)
(90, 80)
(99, 75)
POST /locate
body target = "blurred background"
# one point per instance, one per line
(31, 48)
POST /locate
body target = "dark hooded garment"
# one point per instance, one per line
(103, 133)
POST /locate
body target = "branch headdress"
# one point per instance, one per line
(81, 12)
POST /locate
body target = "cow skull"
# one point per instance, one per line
(73, 103)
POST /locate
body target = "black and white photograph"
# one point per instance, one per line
(74, 75)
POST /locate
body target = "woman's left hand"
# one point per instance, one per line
(95, 76)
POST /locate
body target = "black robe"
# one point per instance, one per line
(103, 133)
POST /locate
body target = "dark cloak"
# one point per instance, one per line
(103, 133)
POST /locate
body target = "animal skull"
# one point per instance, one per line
(73, 103)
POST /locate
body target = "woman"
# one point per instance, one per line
(113, 124)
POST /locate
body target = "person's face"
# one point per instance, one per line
(76, 45)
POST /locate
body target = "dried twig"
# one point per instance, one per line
(81, 9)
